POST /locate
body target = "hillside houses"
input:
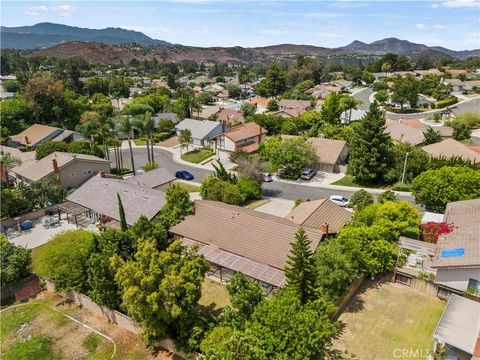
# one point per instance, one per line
(38, 134)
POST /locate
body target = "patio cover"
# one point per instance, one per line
(417, 245)
(71, 208)
(460, 324)
(250, 268)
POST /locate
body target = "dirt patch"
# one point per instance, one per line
(173, 141)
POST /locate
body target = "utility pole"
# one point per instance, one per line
(404, 167)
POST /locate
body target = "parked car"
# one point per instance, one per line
(340, 200)
(184, 175)
(308, 174)
(267, 177)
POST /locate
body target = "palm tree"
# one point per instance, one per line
(125, 126)
(140, 124)
(150, 128)
(349, 103)
(7, 161)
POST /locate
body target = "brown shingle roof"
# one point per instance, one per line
(35, 170)
(403, 133)
(464, 216)
(229, 115)
(100, 194)
(452, 147)
(34, 133)
(254, 235)
(318, 212)
(151, 179)
(328, 151)
(294, 104)
(244, 131)
(259, 101)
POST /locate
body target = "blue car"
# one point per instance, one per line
(183, 174)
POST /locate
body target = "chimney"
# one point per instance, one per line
(27, 141)
(56, 171)
(325, 228)
(101, 173)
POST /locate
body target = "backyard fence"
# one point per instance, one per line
(112, 316)
(343, 301)
(28, 216)
(8, 292)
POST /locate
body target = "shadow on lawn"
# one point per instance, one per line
(210, 309)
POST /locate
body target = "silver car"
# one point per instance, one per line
(340, 200)
(267, 177)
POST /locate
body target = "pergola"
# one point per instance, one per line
(71, 208)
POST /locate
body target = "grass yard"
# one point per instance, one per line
(188, 187)
(386, 317)
(140, 142)
(214, 295)
(348, 180)
(38, 331)
(198, 155)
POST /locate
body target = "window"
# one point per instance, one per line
(87, 172)
(402, 279)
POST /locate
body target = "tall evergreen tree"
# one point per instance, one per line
(121, 211)
(300, 268)
(331, 109)
(371, 148)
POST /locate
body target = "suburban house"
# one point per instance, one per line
(458, 330)
(21, 156)
(38, 134)
(245, 137)
(451, 147)
(66, 169)
(202, 130)
(158, 179)
(320, 214)
(165, 116)
(97, 198)
(207, 112)
(323, 90)
(299, 105)
(404, 133)
(288, 113)
(344, 85)
(457, 258)
(234, 238)
(260, 103)
(229, 115)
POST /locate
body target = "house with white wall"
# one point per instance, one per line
(245, 137)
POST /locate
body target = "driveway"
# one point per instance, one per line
(277, 207)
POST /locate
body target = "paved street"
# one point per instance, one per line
(363, 95)
(290, 191)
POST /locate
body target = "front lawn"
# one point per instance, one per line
(188, 187)
(348, 180)
(198, 155)
(385, 317)
(140, 142)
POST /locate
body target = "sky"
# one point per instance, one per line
(454, 24)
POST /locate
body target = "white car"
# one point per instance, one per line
(267, 177)
(340, 200)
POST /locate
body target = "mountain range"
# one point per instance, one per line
(108, 45)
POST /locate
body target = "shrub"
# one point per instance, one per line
(250, 189)
(120, 172)
(231, 194)
(165, 126)
(12, 203)
(161, 136)
(64, 258)
(49, 147)
(150, 166)
(16, 261)
(432, 230)
(447, 102)
(426, 275)
(380, 85)
(388, 195)
(361, 199)
(411, 232)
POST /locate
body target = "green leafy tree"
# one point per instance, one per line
(16, 114)
(436, 188)
(461, 131)
(370, 155)
(388, 195)
(64, 260)
(431, 136)
(11, 85)
(205, 98)
(177, 206)
(381, 96)
(7, 161)
(331, 109)
(272, 105)
(368, 77)
(160, 288)
(43, 94)
(379, 257)
(293, 154)
(15, 260)
(234, 91)
(245, 295)
(348, 103)
(250, 188)
(49, 147)
(300, 268)
(13, 203)
(185, 138)
(417, 161)
(275, 81)
(405, 90)
(335, 267)
(221, 173)
(247, 109)
(121, 212)
(361, 199)
(145, 229)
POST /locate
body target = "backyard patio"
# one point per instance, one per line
(41, 232)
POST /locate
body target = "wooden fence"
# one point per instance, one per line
(7, 292)
(343, 301)
(113, 316)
